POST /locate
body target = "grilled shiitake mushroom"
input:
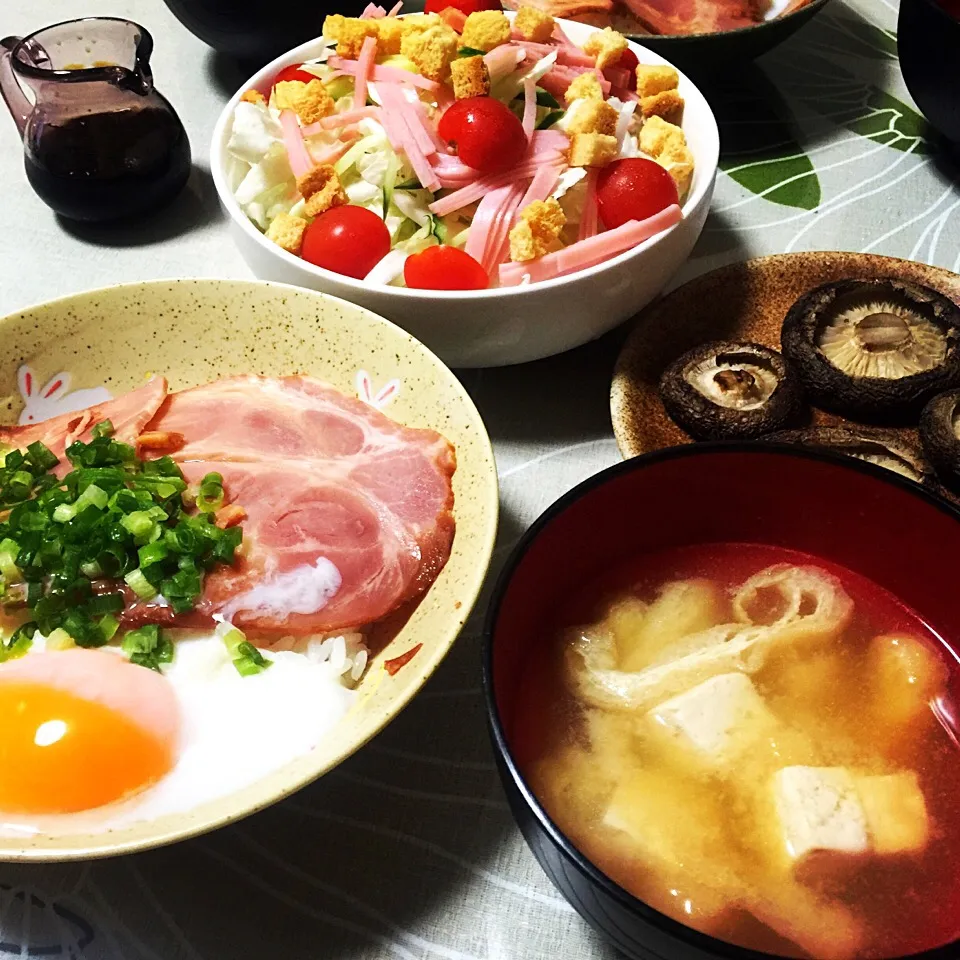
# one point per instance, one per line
(873, 349)
(886, 448)
(940, 436)
(729, 389)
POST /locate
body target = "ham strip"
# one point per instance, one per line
(129, 415)
(300, 161)
(382, 74)
(589, 252)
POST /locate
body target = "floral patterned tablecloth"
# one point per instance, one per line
(408, 850)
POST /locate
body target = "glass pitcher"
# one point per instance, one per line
(99, 142)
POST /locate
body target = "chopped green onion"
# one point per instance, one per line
(140, 585)
(111, 517)
(210, 495)
(41, 456)
(60, 640)
(469, 52)
(140, 525)
(148, 647)
(21, 640)
(103, 429)
(9, 551)
(65, 512)
(246, 658)
(108, 626)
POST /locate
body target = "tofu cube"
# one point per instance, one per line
(820, 812)
(485, 30)
(533, 24)
(470, 77)
(717, 721)
(896, 813)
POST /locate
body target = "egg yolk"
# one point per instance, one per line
(60, 753)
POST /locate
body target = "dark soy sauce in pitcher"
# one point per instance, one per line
(99, 142)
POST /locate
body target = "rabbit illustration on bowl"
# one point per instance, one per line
(55, 397)
(382, 397)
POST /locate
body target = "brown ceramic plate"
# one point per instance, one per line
(743, 301)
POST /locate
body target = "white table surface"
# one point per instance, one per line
(408, 850)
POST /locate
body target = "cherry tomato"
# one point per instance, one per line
(464, 6)
(348, 240)
(628, 61)
(633, 189)
(293, 72)
(489, 136)
(444, 268)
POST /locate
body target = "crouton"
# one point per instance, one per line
(593, 116)
(470, 76)
(668, 105)
(286, 231)
(351, 34)
(253, 96)
(652, 80)
(592, 150)
(681, 169)
(321, 189)
(310, 101)
(585, 87)
(389, 35)
(332, 26)
(533, 24)
(607, 46)
(657, 136)
(432, 50)
(666, 143)
(485, 30)
(537, 231)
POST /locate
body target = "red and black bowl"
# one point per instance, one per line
(843, 510)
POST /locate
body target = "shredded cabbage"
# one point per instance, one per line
(255, 129)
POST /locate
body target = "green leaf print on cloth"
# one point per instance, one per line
(852, 35)
(759, 149)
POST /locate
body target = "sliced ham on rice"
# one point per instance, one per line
(129, 415)
(364, 492)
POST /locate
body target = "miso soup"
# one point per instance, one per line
(758, 744)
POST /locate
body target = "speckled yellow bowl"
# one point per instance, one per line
(195, 331)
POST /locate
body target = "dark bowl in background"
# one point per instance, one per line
(863, 517)
(706, 52)
(928, 41)
(257, 31)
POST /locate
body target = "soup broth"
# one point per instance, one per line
(759, 745)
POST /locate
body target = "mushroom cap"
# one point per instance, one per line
(873, 349)
(885, 448)
(730, 390)
(940, 436)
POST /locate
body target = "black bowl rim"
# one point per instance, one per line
(679, 38)
(720, 948)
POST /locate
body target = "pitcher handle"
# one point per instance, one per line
(14, 97)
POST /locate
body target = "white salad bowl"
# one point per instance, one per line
(500, 326)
